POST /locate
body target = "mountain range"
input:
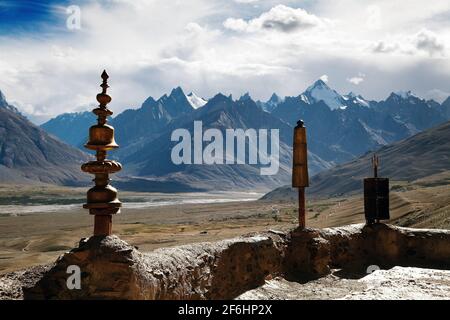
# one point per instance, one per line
(221, 112)
(340, 128)
(28, 154)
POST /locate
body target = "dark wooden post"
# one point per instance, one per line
(376, 196)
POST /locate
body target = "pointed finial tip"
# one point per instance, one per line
(300, 123)
(375, 160)
(104, 75)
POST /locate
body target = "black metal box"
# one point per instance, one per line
(376, 199)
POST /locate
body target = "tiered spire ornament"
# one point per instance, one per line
(102, 199)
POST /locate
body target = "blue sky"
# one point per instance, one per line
(206, 46)
(28, 17)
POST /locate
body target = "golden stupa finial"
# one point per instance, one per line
(102, 199)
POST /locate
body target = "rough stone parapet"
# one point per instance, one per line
(112, 269)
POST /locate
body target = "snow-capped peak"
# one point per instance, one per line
(405, 94)
(320, 91)
(195, 101)
(317, 85)
(356, 99)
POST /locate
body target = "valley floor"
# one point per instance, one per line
(39, 238)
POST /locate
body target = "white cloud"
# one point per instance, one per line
(150, 46)
(428, 41)
(236, 24)
(59, 74)
(437, 94)
(189, 44)
(383, 47)
(279, 18)
(416, 44)
(246, 1)
(356, 80)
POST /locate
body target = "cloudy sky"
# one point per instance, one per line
(49, 66)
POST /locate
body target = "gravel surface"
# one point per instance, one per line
(11, 284)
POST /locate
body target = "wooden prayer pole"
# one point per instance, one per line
(300, 178)
(301, 208)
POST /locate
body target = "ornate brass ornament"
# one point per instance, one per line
(102, 199)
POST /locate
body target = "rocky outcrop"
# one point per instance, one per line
(112, 269)
(13, 284)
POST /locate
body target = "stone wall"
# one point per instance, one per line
(112, 269)
(357, 246)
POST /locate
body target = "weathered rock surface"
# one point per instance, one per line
(393, 284)
(12, 284)
(112, 269)
(307, 255)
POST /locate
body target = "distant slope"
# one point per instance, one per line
(420, 156)
(29, 154)
(72, 128)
